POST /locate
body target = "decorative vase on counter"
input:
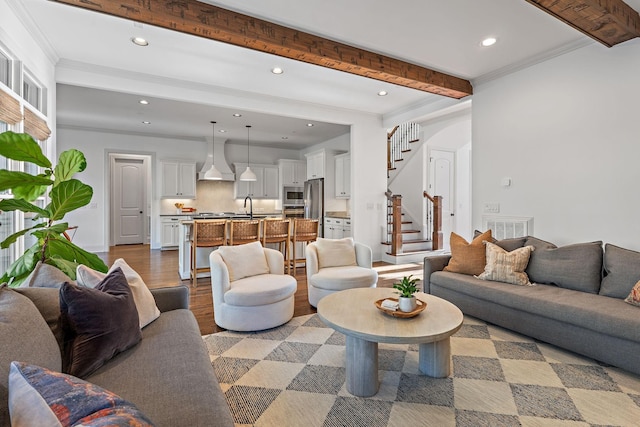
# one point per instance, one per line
(407, 305)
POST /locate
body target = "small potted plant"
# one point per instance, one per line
(407, 287)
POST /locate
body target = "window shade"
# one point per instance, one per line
(9, 109)
(35, 126)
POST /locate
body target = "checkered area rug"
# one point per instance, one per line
(294, 375)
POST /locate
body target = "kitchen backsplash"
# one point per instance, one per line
(217, 196)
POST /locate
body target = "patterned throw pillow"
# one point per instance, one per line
(38, 397)
(508, 267)
(468, 258)
(634, 296)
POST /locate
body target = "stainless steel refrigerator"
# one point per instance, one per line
(314, 201)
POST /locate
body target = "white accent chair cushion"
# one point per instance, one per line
(235, 258)
(251, 303)
(322, 281)
(335, 252)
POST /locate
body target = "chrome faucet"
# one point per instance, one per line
(250, 206)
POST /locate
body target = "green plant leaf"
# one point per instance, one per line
(70, 162)
(22, 147)
(30, 192)
(11, 179)
(67, 267)
(62, 248)
(23, 266)
(21, 205)
(12, 239)
(67, 196)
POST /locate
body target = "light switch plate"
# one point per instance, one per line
(492, 208)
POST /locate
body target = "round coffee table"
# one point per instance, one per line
(353, 313)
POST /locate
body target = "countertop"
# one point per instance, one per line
(226, 215)
(337, 214)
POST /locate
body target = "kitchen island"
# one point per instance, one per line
(202, 254)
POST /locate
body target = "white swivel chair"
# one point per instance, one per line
(250, 290)
(334, 265)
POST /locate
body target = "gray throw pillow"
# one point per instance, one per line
(47, 301)
(45, 276)
(508, 245)
(577, 267)
(24, 336)
(622, 268)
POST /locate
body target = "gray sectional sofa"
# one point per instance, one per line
(577, 302)
(167, 375)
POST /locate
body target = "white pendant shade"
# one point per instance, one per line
(248, 175)
(213, 174)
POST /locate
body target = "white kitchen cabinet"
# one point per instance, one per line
(264, 187)
(315, 164)
(333, 228)
(170, 231)
(346, 228)
(293, 173)
(343, 175)
(178, 180)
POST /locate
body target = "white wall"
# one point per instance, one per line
(566, 132)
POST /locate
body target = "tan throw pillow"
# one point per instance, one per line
(244, 260)
(145, 303)
(634, 295)
(336, 252)
(508, 267)
(468, 258)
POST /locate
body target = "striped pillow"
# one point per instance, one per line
(508, 267)
(634, 296)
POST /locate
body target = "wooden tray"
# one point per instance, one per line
(397, 313)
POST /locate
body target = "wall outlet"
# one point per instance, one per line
(492, 208)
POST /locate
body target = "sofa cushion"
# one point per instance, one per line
(244, 260)
(507, 267)
(45, 276)
(341, 278)
(634, 296)
(609, 316)
(47, 301)
(39, 397)
(168, 375)
(468, 258)
(98, 323)
(335, 252)
(577, 267)
(506, 244)
(622, 268)
(145, 303)
(24, 335)
(261, 290)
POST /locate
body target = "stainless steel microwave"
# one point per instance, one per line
(293, 196)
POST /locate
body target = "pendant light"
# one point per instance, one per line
(248, 174)
(213, 173)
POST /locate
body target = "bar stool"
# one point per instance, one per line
(243, 231)
(277, 231)
(205, 234)
(304, 231)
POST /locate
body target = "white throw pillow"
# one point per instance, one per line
(244, 260)
(336, 252)
(145, 303)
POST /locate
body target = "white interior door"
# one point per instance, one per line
(128, 200)
(442, 180)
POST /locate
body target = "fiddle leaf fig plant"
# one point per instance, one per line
(406, 286)
(66, 194)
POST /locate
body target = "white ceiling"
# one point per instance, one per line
(443, 35)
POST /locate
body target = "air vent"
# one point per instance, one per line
(507, 227)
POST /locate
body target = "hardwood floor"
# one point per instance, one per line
(160, 269)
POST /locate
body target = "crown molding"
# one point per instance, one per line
(30, 25)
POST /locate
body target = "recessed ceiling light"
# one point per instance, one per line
(383, 93)
(222, 131)
(310, 124)
(146, 122)
(140, 41)
(285, 137)
(277, 70)
(237, 115)
(489, 41)
(143, 102)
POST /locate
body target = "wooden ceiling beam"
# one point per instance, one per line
(215, 23)
(608, 21)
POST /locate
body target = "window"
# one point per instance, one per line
(5, 69)
(4, 162)
(32, 92)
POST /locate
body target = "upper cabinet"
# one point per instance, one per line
(178, 180)
(264, 187)
(315, 164)
(293, 173)
(343, 176)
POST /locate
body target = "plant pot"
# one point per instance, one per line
(407, 304)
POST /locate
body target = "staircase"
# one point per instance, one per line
(406, 241)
